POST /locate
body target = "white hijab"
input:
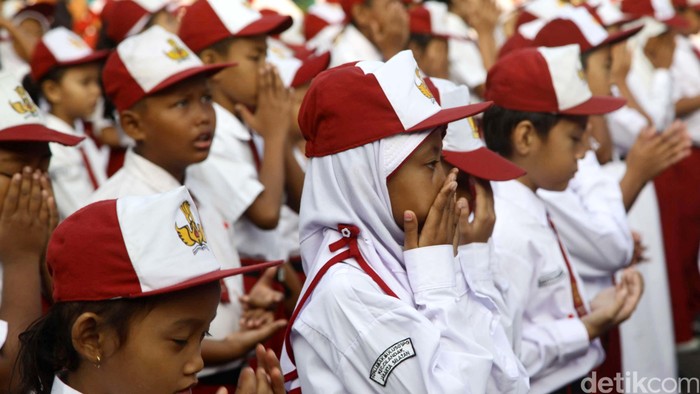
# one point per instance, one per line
(350, 187)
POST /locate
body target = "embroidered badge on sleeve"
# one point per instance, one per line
(390, 359)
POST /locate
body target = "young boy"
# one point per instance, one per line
(66, 71)
(539, 124)
(376, 30)
(27, 215)
(159, 88)
(429, 38)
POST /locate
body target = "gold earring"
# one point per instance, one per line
(97, 361)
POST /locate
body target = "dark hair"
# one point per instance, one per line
(221, 47)
(500, 122)
(420, 40)
(47, 348)
(34, 88)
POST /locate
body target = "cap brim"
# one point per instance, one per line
(617, 37)
(267, 24)
(484, 163)
(596, 105)
(94, 57)
(208, 278)
(310, 68)
(448, 115)
(206, 71)
(675, 21)
(37, 133)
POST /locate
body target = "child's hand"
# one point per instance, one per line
(439, 226)
(634, 282)
(481, 228)
(243, 341)
(266, 379)
(255, 318)
(638, 255)
(27, 217)
(262, 295)
(654, 152)
(604, 309)
(273, 113)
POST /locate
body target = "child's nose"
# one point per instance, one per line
(195, 364)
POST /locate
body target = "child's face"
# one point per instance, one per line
(162, 352)
(240, 84)
(174, 128)
(297, 97)
(166, 20)
(14, 156)
(77, 92)
(416, 183)
(434, 59)
(554, 161)
(597, 70)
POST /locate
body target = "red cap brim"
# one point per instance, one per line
(206, 70)
(311, 67)
(208, 278)
(96, 56)
(37, 133)
(449, 115)
(596, 105)
(617, 37)
(267, 24)
(675, 21)
(485, 164)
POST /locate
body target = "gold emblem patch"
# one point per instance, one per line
(191, 234)
(475, 129)
(25, 106)
(177, 52)
(423, 87)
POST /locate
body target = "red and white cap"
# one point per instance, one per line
(138, 246)
(61, 47)
(661, 10)
(577, 26)
(124, 18)
(545, 80)
(429, 18)
(296, 69)
(694, 4)
(540, 9)
(207, 22)
(358, 103)
(606, 12)
(320, 16)
(462, 146)
(148, 63)
(21, 119)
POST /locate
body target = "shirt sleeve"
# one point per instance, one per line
(69, 179)
(625, 124)
(591, 220)
(3, 333)
(657, 98)
(392, 346)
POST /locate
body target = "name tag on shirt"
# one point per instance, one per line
(390, 359)
(550, 278)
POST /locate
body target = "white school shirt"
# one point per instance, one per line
(139, 176)
(351, 336)
(466, 64)
(3, 333)
(59, 387)
(70, 178)
(686, 68)
(288, 226)
(351, 46)
(10, 61)
(624, 126)
(592, 222)
(555, 347)
(653, 89)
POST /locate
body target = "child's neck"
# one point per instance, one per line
(525, 179)
(223, 100)
(176, 171)
(58, 112)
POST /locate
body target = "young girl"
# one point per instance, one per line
(133, 323)
(66, 72)
(381, 309)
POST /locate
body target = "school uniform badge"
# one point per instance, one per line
(390, 359)
(25, 106)
(192, 233)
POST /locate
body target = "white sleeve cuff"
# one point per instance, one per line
(430, 267)
(475, 259)
(571, 336)
(3, 333)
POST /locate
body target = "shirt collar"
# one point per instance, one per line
(225, 120)
(59, 387)
(522, 197)
(361, 44)
(59, 124)
(149, 173)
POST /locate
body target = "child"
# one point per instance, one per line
(27, 215)
(124, 18)
(381, 303)
(376, 30)
(429, 38)
(539, 124)
(134, 323)
(66, 71)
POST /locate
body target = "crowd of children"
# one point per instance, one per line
(270, 196)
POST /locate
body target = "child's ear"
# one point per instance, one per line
(523, 138)
(131, 121)
(90, 339)
(209, 56)
(51, 90)
(361, 15)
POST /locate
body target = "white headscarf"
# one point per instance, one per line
(350, 188)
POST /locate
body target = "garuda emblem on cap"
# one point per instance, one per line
(423, 87)
(176, 52)
(25, 106)
(191, 234)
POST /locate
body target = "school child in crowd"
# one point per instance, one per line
(245, 174)
(124, 18)
(135, 322)
(20, 30)
(429, 38)
(539, 124)
(66, 72)
(322, 24)
(371, 306)
(159, 87)
(28, 214)
(375, 30)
